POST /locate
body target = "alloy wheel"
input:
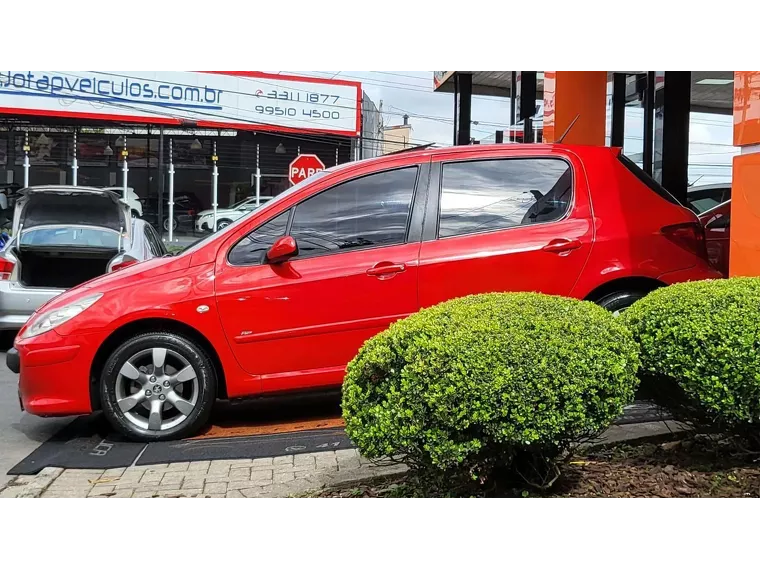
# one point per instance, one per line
(157, 389)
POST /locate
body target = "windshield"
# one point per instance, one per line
(264, 207)
(70, 237)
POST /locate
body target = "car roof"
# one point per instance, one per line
(724, 186)
(470, 149)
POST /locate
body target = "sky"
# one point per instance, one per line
(431, 115)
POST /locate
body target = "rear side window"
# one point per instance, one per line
(648, 181)
(488, 195)
(701, 205)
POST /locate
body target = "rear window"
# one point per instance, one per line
(69, 237)
(648, 181)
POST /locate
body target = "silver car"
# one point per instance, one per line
(62, 237)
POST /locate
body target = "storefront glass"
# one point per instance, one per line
(99, 158)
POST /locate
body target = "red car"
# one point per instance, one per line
(283, 298)
(717, 224)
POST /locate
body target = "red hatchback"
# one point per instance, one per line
(283, 298)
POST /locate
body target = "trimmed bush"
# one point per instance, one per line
(700, 346)
(490, 382)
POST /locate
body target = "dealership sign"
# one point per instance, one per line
(239, 99)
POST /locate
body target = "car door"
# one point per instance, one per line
(297, 324)
(504, 224)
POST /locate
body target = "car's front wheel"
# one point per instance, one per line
(617, 302)
(158, 386)
(222, 223)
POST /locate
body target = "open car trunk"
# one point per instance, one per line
(60, 267)
(67, 235)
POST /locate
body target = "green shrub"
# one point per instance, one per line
(700, 347)
(492, 382)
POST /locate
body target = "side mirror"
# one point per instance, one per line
(282, 250)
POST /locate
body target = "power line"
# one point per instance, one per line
(381, 83)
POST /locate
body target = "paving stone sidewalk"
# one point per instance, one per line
(277, 477)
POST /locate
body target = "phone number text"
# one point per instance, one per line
(293, 112)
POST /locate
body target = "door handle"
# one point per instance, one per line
(561, 245)
(385, 268)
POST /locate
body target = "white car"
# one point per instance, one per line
(226, 215)
(132, 199)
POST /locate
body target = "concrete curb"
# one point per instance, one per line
(31, 486)
(637, 432)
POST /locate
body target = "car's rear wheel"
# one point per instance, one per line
(222, 223)
(618, 302)
(158, 386)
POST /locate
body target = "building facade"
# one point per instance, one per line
(371, 141)
(64, 125)
(397, 137)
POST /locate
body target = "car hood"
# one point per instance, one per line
(139, 275)
(219, 211)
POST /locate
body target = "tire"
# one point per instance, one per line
(150, 394)
(175, 223)
(222, 223)
(617, 302)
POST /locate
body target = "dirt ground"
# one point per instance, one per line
(693, 467)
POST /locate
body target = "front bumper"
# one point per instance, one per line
(203, 224)
(54, 372)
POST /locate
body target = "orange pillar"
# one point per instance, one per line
(570, 94)
(744, 257)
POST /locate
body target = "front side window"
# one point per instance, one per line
(252, 249)
(488, 195)
(371, 211)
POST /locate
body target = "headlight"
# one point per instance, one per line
(53, 318)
